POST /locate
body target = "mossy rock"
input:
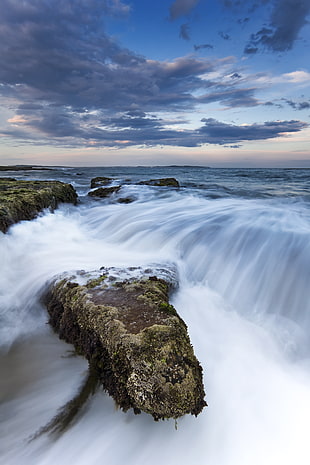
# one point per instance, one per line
(100, 181)
(23, 200)
(169, 182)
(132, 337)
(103, 192)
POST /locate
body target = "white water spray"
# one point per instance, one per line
(244, 274)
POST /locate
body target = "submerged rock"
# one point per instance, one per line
(23, 200)
(170, 182)
(122, 322)
(104, 191)
(129, 199)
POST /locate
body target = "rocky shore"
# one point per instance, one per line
(24, 200)
(121, 320)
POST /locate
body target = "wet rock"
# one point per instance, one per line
(104, 191)
(23, 200)
(122, 322)
(100, 181)
(126, 199)
(170, 182)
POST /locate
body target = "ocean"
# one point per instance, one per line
(240, 240)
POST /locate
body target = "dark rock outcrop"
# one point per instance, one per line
(169, 182)
(133, 338)
(103, 192)
(23, 200)
(129, 199)
(100, 181)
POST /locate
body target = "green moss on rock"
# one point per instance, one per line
(23, 200)
(133, 338)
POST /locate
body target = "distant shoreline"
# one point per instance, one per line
(23, 168)
(53, 167)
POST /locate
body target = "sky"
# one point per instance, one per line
(141, 82)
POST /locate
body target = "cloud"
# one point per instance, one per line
(203, 46)
(136, 129)
(184, 31)
(181, 8)
(243, 20)
(231, 97)
(223, 133)
(297, 77)
(273, 104)
(287, 19)
(250, 50)
(224, 35)
(235, 76)
(62, 56)
(305, 105)
(66, 82)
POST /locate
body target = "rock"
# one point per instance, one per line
(122, 322)
(126, 199)
(23, 200)
(100, 181)
(170, 182)
(104, 191)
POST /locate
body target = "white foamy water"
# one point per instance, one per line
(244, 268)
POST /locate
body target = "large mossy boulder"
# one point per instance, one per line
(23, 200)
(161, 182)
(135, 341)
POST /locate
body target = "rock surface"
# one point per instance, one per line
(170, 182)
(104, 191)
(23, 200)
(133, 338)
(100, 181)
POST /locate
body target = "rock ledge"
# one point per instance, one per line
(133, 338)
(23, 200)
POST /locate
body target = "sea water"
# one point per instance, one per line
(240, 240)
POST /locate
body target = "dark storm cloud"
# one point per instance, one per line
(24, 107)
(181, 8)
(59, 49)
(286, 21)
(223, 133)
(71, 84)
(62, 56)
(127, 129)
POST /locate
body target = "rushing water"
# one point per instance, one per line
(241, 242)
